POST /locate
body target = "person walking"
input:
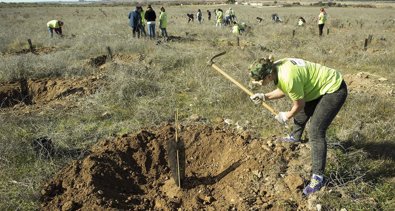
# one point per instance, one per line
(227, 16)
(232, 15)
(219, 16)
(199, 16)
(150, 17)
(55, 25)
(190, 17)
(317, 93)
(135, 21)
(208, 15)
(163, 22)
(322, 17)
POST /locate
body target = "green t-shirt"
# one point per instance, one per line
(300, 79)
(322, 18)
(53, 24)
(163, 20)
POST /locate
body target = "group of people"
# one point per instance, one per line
(225, 19)
(221, 18)
(322, 17)
(139, 18)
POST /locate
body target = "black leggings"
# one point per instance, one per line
(321, 112)
(321, 28)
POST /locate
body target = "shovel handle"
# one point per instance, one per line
(243, 88)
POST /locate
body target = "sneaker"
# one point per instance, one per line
(290, 139)
(315, 185)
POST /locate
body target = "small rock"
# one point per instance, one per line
(279, 149)
(218, 120)
(105, 115)
(229, 121)
(319, 207)
(208, 200)
(294, 181)
(100, 192)
(269, 143)
(99, 201)
(194, 118)
(69, 205)
(382, 79)
(266, 148)
(257, 173)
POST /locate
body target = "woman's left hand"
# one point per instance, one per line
(282, 117)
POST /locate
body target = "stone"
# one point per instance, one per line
(69, 206)
(194, 118)
(294, 182)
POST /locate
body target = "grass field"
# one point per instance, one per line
(167, 75)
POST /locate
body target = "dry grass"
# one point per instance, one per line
(175, 75)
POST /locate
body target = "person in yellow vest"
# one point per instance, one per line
(143, 23)
(317, 93)
(236, 28)
(55, 25)
(163, 22)
(220, 17)
(301, 21)
(322, 17)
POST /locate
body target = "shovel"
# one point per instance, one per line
(176, 153)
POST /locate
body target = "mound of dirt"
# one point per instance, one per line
(224, 170)
(34, 91)
(36, 50)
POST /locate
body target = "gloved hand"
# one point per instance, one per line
(282, 117)
(258, 98)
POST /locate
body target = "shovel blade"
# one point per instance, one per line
(176, 154)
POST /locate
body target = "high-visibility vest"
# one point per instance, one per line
(53, 24)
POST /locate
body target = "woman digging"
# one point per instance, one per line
(317, 93)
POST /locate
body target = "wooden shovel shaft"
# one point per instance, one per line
(177, 151)
(243, 88)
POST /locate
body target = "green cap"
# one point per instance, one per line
(260, 69)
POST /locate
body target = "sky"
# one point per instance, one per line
(34, 1)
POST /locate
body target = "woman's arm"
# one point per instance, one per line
(275, 94)
(297, 106)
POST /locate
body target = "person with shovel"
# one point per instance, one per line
(317, 93)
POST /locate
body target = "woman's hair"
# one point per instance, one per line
(260, 68)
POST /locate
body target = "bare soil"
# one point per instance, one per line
(224, 170)
(35, 91)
